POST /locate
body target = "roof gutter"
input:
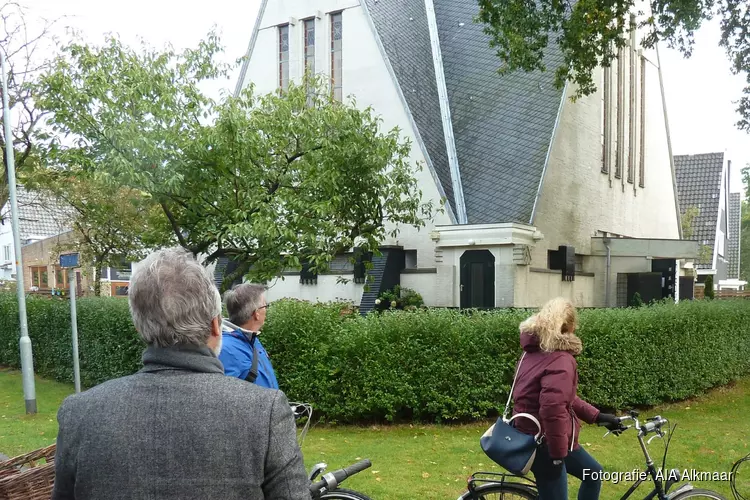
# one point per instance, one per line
(250, 47)
(445, 113)
(549, 154)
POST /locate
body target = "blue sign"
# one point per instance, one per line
(69, 260)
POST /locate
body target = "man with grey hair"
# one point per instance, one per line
(179, 428)
(243, 355)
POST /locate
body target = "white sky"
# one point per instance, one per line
(700, 90)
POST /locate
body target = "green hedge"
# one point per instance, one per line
(425, 365)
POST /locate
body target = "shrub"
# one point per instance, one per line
(399, 298)
(421, 365)
(708, 292)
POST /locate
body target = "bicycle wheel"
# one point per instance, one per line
(507, 491)
(698, 494)
(343, 494)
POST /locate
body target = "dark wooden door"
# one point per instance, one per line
(477, 279)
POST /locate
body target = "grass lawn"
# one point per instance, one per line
(433, 461)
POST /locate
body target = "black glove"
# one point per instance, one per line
(607, 418)
(555, 468)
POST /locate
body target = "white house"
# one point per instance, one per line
(39, 217)
(703, 185)
(544, 196)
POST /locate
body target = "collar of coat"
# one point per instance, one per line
(181, 358)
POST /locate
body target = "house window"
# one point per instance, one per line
(284, 57)
(642, 156)
(61, 277)
(39, 277)
(6, 253)
(310, 46)
(336, 56)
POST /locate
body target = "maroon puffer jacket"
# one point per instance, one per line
(547, 387)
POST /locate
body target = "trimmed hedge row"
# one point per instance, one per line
(428, 365)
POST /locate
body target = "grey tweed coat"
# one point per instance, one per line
(181, 429)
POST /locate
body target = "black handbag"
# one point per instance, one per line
(506, 445)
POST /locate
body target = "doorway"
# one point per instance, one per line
(477, 279)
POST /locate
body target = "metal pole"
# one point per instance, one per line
(74, 324)
(27, 360)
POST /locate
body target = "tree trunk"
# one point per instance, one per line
(98, 281)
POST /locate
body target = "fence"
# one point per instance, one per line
(699, 294)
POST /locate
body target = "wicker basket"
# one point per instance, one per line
(22, 477)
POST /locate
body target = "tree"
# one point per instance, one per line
(687, 220)
(111, 223)
(588, 33)
(745, 242)
(272, 182)
(23, 64)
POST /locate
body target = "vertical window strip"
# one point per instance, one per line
(606, 119)
(284, 57)
(632, 101)
(310, 46)
(603, 119)
(620, 153)
(336, 56)
(642, 158)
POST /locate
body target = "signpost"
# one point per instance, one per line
(27, 360)
(70, 261)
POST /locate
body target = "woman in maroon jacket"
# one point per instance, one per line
(546, 387)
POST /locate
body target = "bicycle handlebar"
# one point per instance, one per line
(333, 479)
(653, 424)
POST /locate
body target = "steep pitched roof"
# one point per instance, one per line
(404, 33)
(698, 185)
(502, 125)
(38, 216)
(735, 228)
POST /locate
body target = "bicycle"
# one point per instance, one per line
(327, 487)
(483, 484)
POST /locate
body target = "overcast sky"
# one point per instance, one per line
(700, 90)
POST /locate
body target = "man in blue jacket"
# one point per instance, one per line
(242, 353)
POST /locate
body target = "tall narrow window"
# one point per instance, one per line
(620, 151)
(606, 128)
(284, 57)
(310, 46)
(336, 59)
(642, 159)
(632, 101)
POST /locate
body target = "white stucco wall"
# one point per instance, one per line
(578, 199)
(326, 290)
(365, 76)
(6, 239)
(535, 287)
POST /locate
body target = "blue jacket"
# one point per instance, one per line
(237, 357)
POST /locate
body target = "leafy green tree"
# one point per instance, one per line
(22, 49)
(111, 223)
(588, 33)
(270, 181)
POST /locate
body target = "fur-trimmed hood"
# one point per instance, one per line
(559, 342)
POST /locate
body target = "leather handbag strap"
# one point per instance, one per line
(510, 395)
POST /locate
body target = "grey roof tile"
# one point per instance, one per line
(698, 185)
(38, 215)
(403, 31)
(735, 228)
(502, 124)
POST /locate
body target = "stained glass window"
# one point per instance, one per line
(284, 57)
(336, 56)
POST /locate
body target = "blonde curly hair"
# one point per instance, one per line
(554, 325)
